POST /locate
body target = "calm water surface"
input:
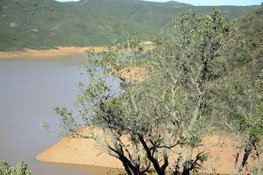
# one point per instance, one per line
(29, 89)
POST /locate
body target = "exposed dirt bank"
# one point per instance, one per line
(61, 51)
(87, 152)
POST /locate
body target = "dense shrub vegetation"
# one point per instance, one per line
(251, 26)
(19, 169)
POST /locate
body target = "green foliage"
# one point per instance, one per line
(200, 49)
(247, 102)
(45, 24)
(244, 116)
(173, 109)
(20, 169)
(251, 26)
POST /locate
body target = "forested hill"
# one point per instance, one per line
(44, 24)
(252, 27)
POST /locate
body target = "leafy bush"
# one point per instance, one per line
(19, 169)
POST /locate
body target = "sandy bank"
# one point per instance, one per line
(81, 151)
(87, 152)
(61, 51)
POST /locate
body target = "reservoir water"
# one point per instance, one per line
(29, 90)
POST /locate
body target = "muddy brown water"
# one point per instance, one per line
(29, 90)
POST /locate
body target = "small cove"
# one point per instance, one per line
(29, 90)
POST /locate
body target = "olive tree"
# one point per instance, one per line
(192, 55)
(144, 122)
(245, 118)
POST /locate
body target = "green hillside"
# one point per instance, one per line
(252, 27)
(44, 24)
(152, 13)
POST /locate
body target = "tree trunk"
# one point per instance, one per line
(247, 152)
(129, 168)
(187, 163)
(186, 170)
(244, 161)
(126, 169)
(179, 159)
(236, 161)
(259, 165)
(156, 165)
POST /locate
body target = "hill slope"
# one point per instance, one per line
(252, 27)
(44, 24)
(152, 13)
(40, 24)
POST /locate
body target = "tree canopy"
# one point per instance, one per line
(172, 109)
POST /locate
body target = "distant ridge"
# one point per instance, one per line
(45, 24)
(178, 3)
(83, 2)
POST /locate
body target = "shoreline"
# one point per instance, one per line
(86, 152)
(61, 51)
